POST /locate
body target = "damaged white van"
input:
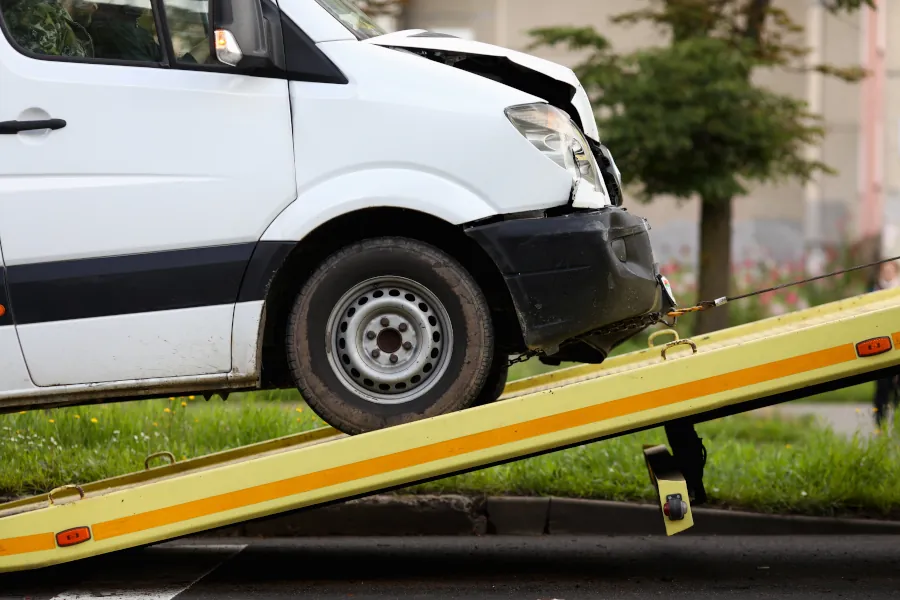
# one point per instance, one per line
(203, 197)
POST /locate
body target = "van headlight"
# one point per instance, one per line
(553, 133)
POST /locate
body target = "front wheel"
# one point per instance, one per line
(496, 380)
(389, 331)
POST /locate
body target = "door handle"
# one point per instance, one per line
(14, 127)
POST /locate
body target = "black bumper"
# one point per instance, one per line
(574, 274)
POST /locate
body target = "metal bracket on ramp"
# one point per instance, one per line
(672, 490)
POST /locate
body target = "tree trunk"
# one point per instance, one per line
(715, 262)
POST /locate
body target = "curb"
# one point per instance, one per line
(454, 515)
(383, 516)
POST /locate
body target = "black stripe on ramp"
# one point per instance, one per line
(119, 285)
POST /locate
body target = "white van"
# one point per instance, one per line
(203, 197)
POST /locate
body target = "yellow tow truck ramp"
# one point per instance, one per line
(730, 371)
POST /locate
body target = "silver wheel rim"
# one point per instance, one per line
(389, 340)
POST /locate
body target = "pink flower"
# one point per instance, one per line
(669, 269)
(792, 298)
(777, 309)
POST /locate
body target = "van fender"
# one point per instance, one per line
(387, 187)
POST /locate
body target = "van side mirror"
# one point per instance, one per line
(243, 34)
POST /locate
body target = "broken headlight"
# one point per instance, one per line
(553, 133)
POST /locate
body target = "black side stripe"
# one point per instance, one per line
(140, 283)
(5, 319)
(119, 285)
(265, 263)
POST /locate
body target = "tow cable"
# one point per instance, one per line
(726, 299)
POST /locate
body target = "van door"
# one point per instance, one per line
(138, 173)
(13, 374)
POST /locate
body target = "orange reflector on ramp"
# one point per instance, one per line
(873, 347)
(72, 537)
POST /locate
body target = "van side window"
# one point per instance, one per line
(191, 34)
(118, 30)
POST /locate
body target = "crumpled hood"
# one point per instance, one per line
(553, 82)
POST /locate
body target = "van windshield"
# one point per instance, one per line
(354, 19)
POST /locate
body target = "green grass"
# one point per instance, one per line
(765, 465)
(45, 449)
(759, 464)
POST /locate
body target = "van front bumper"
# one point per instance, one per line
(572, 275)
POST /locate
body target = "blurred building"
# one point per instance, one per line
(779, 222)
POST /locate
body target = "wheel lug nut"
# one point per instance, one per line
(385, 322)
(394, 358)
(371, 335)
(407, 345)
(403, 327)
(376, 353)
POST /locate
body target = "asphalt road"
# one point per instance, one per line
(475, 568)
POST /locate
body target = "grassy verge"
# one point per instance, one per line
(758, 464)
(45, 449)
(765, 465)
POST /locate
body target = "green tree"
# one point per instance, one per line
(686, 118)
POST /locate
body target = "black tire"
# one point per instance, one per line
(338, 395)
(496, 380)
